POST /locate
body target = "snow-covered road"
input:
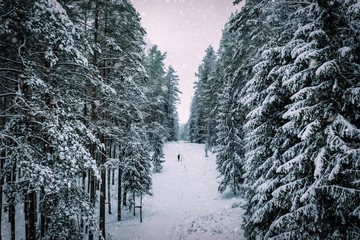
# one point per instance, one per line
(185, 202)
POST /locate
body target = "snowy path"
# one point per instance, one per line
(185, 202)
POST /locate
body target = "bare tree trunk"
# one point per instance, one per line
(32, 215)
(102, 200)
(109, 191)
(102, 204)
(2, 159)
(89, 183)
(119, 193)
(10, 181)
(113, 170)
(43, 215)
(234, 185)
(1, 188)
(83, 175)
(42, 219)
(26, 214)
(92, 184)
(12, 209)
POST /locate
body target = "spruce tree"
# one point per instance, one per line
(48, 140)
(200, 122)
(155, 119)
(288, 146)
(171, 97)
(136, 164)
(318, 163)
(297, 86)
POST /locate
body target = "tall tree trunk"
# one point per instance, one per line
(92, 183)
(109, 190)
(2, 159)
(119, 193)
(26, 214)
(32, 215)
(234, 184)
(43, 215)
(94, 105)
(84, 175)
(102, 205)
(12, 209)
(102, 198)
(113, 170)
(3, 155)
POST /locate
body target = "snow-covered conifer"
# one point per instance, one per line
(203, 102)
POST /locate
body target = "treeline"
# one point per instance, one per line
(83, 104)
(280, 104)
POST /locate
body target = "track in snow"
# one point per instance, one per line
(185, 202)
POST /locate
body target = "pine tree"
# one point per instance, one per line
(322, 126)
(155, 69)
(264, 101)
(297, 85)
(136, 164)
(284, 200)
(230, 153)
(72, 102)
(44, 120)
(226, 134)
(171, 97)
(200, 122)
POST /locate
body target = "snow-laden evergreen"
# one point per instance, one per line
(201, 121)
(162, 94)
(85, 106)
(289, 93)
(230, 148)
(44, 141)
(75, 106)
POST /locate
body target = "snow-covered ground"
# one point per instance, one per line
(185, 202)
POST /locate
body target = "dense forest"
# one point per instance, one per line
(84, 101)
(279, 103)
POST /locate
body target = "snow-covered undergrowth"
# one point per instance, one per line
(185, 202)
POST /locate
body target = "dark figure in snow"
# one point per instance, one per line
(178, 157)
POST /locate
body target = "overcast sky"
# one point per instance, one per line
(184, 29)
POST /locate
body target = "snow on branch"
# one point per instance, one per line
(308, 130)
(300, 32)
(309, 91)
(353, 95)
(327, 69)
(294, 83)
(345, 128)
(289, 165)
(319, 162)
(284, 223)
(303, 48)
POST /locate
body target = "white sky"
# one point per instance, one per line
(184, 29)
